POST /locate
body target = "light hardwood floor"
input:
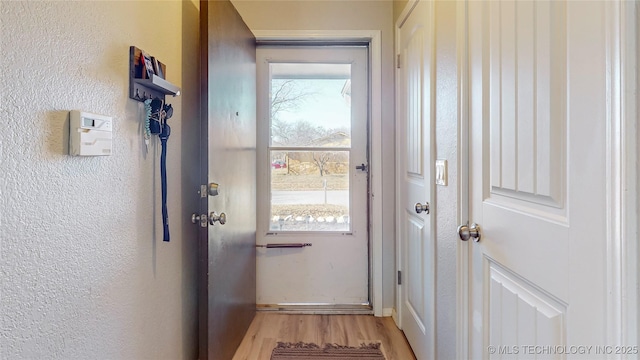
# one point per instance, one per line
(352, 330)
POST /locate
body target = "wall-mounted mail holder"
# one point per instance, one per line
(147, 77)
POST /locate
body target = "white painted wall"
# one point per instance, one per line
(83, 269)
(347, 15)
(398, 6)
(446, 200)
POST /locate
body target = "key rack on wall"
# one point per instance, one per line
(147, 77)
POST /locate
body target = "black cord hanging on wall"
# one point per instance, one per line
(158, 113)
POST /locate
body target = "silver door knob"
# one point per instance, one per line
(195, 218)
(467, 232)
(422, 207)
(213, 217)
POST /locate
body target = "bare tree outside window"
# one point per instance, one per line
(289, 95)
(286, 95)
(321, 159)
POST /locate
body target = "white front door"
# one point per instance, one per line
(539, 97)
(415, 181)
(313, 178)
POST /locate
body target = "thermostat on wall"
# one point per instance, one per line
(89, 134)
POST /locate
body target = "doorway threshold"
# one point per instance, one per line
(317, 308)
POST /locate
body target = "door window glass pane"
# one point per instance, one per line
(310, 126)
(310, 191)
(311, 105)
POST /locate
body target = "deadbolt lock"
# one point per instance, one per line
(213, 189)
(210, 190)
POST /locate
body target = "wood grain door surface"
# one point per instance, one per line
(228, 153)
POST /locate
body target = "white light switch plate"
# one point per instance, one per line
(441, 172)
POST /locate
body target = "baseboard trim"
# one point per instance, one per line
(386, 312)
(318, 309)
(394, 316)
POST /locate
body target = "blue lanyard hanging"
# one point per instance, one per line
(164, 136)
(157, 114)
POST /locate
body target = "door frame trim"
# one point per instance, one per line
(631, 219)
(463, 319)
(622, 184)
(374, 37)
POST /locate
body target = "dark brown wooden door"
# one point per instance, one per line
(228, 151)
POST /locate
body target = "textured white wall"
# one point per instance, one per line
(83, 269)
(347, 15)
(446, 200)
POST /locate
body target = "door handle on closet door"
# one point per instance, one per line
(467, 232)
(422, 208)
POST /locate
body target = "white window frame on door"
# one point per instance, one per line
(373, 37)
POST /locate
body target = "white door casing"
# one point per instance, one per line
(627, 149)
(415, 154)
(334, 271)
(540, 148)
